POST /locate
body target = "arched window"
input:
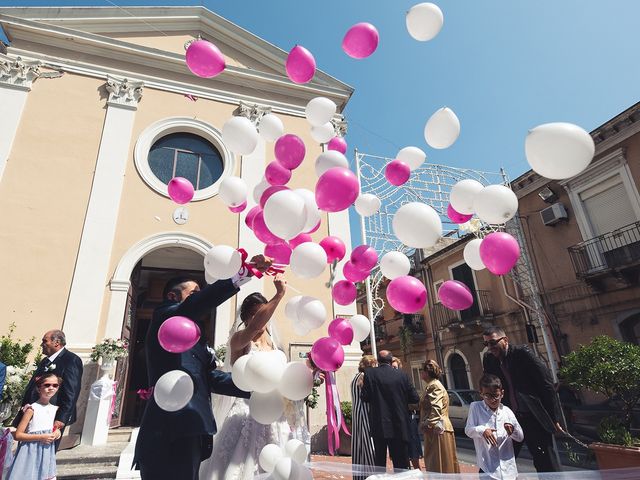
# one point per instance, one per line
(458, 369)
(630, 329)
(186, 155)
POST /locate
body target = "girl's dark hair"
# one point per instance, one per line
(43, 378)
(249, 303)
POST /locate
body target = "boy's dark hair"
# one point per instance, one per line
(249, 303)
(43, 378)
(173, 284)
(490, 382)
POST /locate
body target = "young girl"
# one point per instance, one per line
(36, 455)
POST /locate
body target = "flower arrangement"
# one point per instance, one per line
(110, 348)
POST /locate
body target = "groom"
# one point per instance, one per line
(171, 445)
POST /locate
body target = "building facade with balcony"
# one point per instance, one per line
(584, 237)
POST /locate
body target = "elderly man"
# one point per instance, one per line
(529, 392)
(66, 365)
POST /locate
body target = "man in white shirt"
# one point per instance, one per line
(493, 427)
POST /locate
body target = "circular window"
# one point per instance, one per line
(186, 155)
(183, 147)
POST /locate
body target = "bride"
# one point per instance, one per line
(240, 439)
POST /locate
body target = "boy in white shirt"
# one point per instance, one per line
(493, 427)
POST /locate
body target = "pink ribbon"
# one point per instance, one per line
(112, 408)
(145, 393)
(4, 443)
(335, 420)
(272, 270)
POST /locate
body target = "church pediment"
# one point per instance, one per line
(155, 37)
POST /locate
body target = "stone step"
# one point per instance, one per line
(81, 472)
(120, 434)
(106, 455)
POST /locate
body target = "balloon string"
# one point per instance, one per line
(132, 15)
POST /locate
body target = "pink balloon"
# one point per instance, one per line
(499, 251)
(204, 59)
(290, 151)
(178, 334)
(262, 232)
(455, 295)
(397, 172)
(251, 214)
(270, 191)
(314, 229)
(344, 292)
(239, 208)
(299, 239)
(327, 354)
(337, 189)
(334, 247)
(406, 294)
(300, 65)
(341, 330)
(354, 274)
(337, 143)
(364, 257)
(276, 174)
(457, 217)
(180, 190)
(281, 253)
(361, 40)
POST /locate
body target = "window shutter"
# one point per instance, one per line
(608, 206)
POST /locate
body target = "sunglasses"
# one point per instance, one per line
(491, 396)
(47, 385)
(493, 342)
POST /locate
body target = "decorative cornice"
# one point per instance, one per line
(340, 126)
(18, 73)
(123, 92)
(598, 168)
(252, 111)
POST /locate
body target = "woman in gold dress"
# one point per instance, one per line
(439, 440)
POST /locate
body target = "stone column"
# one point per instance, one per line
(92, 264)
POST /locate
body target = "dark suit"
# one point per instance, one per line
(389, 392)
(171, 445)
(68, 366)
(536, 403)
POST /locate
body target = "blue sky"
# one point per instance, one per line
(503, 66)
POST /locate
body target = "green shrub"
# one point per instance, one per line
(347, 411)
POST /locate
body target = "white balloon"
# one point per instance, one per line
(319, 111)
(286, 469)
(239, 134)
(263, 371)
(323, 133)
(296, 382)
(424, 21)
(412, 156)
(361, 327)
(301, 328)
(442, 128)
(222, 262)
(311, 312)
(394, 265)
(173, 390)
(291, 308)
(270, 127)
(367, 204)
(495, 204)
(238, 373)
(209, 278)
(295, 450)
(269, 456)
(559, 150)
(471, 254)
(233, 191)
(463, 194)
(305, 473)
(330, 159)
(280, 357)
(311, 207)
(417, 225)
(308, 260)
(259, 189)
(266, 408)
(285, 214)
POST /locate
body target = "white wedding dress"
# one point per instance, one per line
(239, 441)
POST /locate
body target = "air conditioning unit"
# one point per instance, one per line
(553, 214)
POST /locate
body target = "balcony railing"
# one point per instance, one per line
(609, 252)
(481, 309)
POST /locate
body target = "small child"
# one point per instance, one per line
(36, 455)
(492, 426)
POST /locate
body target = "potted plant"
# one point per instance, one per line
(612, 368)
(109, 350)
(345, 440)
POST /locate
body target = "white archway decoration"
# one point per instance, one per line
(447, 370)
(171, 125)
(121, 280)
